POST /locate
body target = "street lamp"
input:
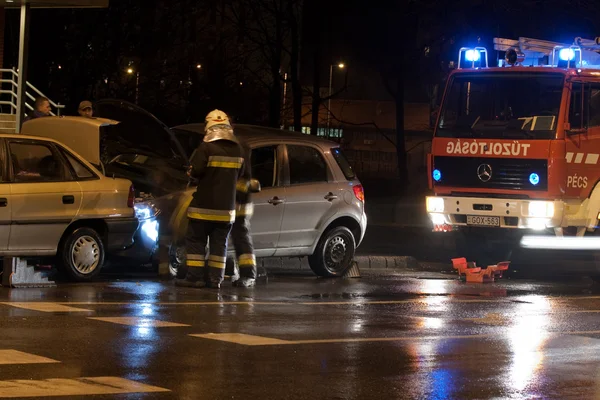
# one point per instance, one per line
(340, 66)
(130, 71)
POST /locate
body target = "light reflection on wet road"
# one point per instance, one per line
(299, 337)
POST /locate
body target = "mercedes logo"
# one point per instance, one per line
(484, 172)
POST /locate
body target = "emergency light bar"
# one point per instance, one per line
(583, 53)
(473, 55)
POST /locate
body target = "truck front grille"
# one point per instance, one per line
(505, 173)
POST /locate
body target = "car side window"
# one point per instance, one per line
(81, 170)
(306, 165)
(36, 162)
(264, 165)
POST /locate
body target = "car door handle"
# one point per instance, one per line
(3, 202)
(275, 201)
(330, 196)
(68, 199)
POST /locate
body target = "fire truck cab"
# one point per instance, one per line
(516, 146)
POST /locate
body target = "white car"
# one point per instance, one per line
(55, 203)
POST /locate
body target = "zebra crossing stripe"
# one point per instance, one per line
(12, 357)
(73, 387)
(45, 306)
(139, 322)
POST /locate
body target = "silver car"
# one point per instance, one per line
(311, 202)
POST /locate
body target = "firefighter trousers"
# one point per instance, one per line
(211, 267)
(244, 249)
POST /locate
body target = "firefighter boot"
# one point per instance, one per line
(217, 258)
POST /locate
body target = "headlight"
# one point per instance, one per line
(150, 229)
(540, 209)
(145, 210)
(435, 204)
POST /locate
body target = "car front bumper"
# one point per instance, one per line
(143, 247)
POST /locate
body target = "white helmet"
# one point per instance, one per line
(216, 117)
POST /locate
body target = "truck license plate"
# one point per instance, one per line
(483, 221)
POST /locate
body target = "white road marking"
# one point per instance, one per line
(10, 357)
(251, 340)
(45, 306)
(138, 321)
(73, 387)
(241, 338)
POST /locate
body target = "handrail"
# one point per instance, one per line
(28, 96)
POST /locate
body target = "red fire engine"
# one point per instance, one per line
(517, 146)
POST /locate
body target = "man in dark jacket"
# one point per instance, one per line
(41, 109)
(240, 232)
(216, 166)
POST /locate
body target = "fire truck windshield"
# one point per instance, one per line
(500, 105)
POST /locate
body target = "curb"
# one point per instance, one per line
(363, 261)
(400, 262)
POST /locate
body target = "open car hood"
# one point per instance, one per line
(139, 131)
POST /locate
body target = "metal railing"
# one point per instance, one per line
(8, 94)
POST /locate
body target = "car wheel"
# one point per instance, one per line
(177, 267)
(82, 255)
(334, 253)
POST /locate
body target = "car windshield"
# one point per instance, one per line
(499, 105)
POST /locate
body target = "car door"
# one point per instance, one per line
(5, 199)
(45, 196)
(269, 202)
(308, 195)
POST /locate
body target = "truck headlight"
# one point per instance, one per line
(540, 209)
(435, 204)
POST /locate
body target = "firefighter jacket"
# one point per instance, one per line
(216, 166)
(244, 207)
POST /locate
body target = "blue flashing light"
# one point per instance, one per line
(472, 55)
(534, 178)
(437, 175)
(566, 54)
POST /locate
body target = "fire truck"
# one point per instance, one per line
(516, 146)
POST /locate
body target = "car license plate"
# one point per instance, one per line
(483, 221)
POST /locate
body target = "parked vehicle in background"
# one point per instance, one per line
(55, 203)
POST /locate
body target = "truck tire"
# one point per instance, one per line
(82, 254)
(334, 253)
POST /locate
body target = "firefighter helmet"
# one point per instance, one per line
(216, 117)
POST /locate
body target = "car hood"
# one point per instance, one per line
(139, 131)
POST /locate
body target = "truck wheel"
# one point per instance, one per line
(334, 253)
(82, 254)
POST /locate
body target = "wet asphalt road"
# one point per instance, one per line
(409, 335)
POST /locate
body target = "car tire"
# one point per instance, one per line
(82, 254)
(334, 253)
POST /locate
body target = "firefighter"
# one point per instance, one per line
(216, 165)
(240, 233)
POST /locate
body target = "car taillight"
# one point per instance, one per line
(359, 192)
(131, 198)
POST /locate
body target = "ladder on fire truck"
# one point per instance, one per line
(582, 53)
